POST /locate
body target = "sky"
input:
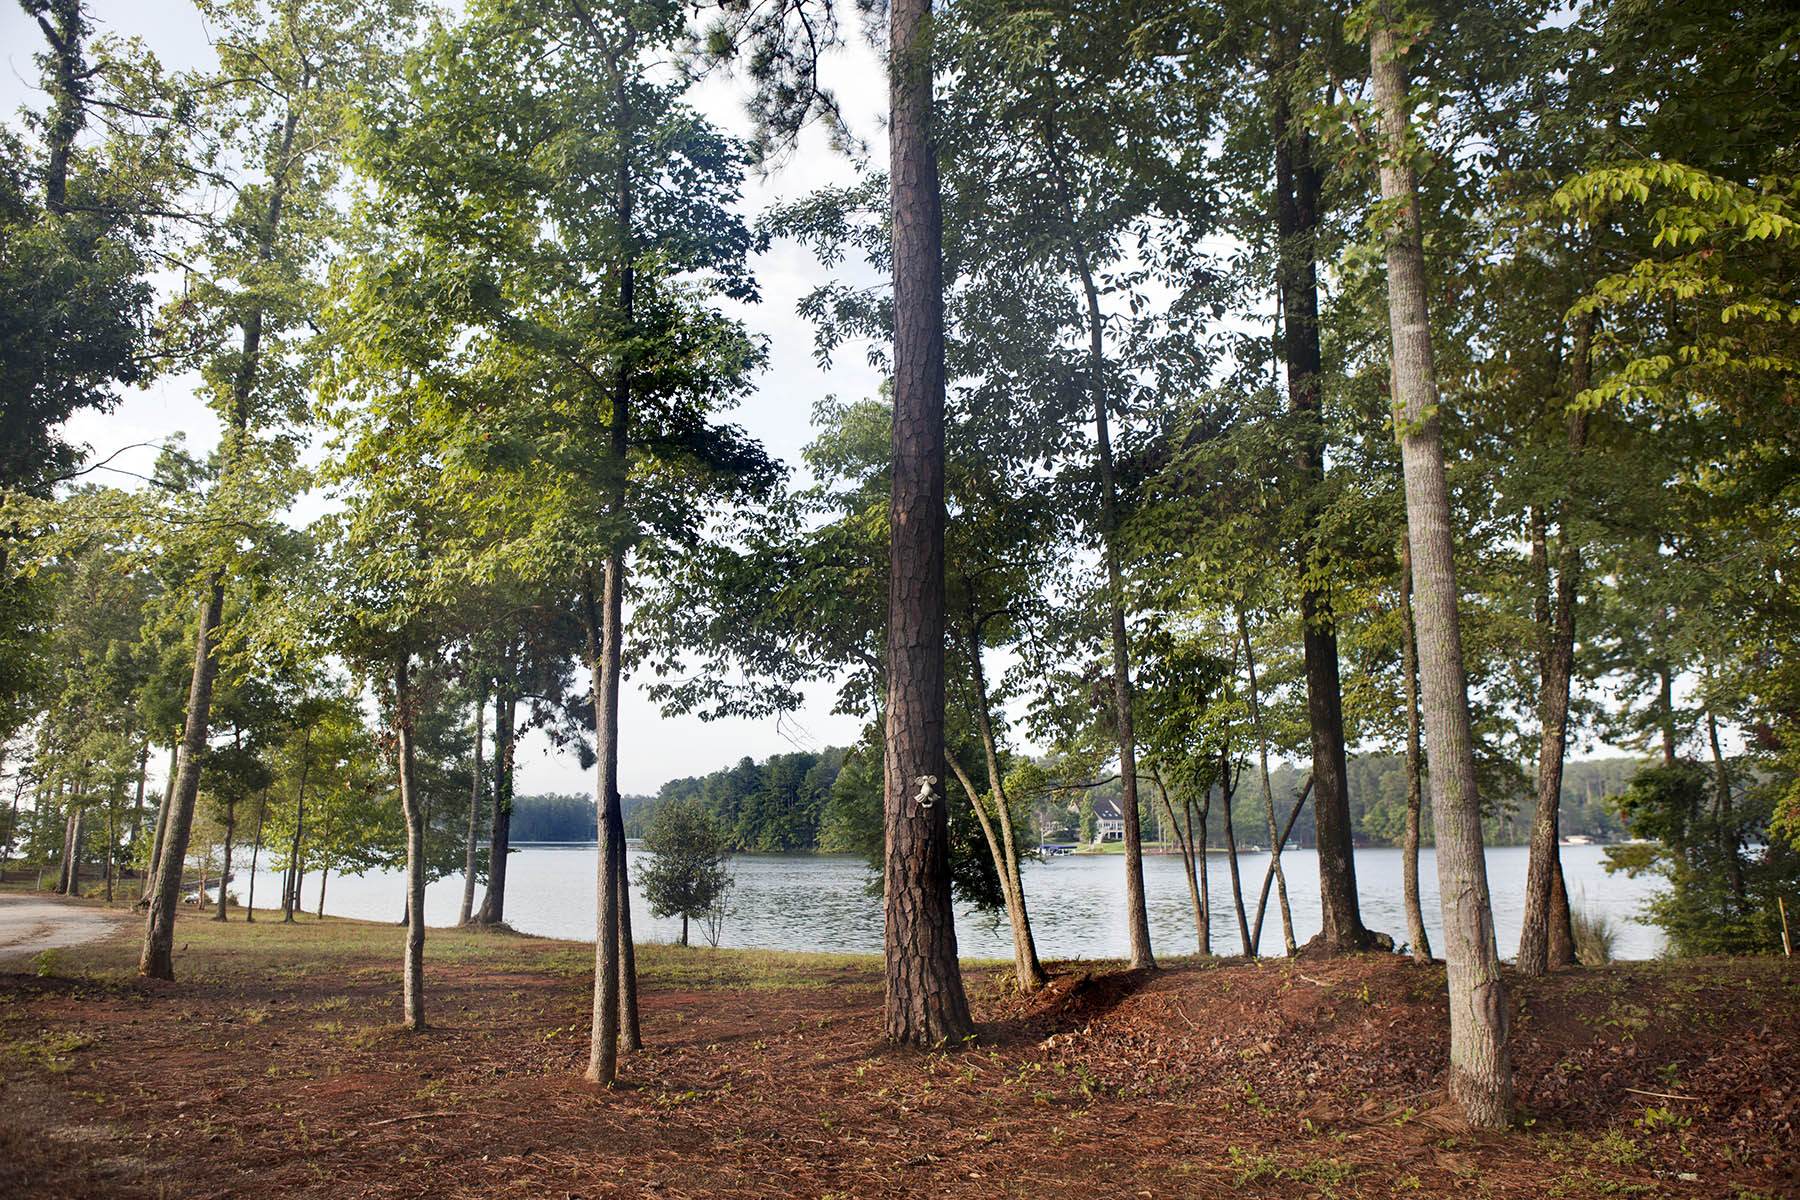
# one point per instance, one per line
(652, 748)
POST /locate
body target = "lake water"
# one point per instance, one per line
(1077, 902)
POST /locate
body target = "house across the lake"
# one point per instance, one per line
(1109, 821)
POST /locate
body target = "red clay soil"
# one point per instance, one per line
(1281, 1079)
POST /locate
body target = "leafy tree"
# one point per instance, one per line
(689, 870)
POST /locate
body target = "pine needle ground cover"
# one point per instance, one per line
(275, 1066)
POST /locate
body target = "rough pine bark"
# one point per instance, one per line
(1415, 793)
(1481, 1079)
(412, 805)
(925, 1003)
(156, 960)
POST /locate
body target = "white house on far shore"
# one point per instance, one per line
(1109, 821)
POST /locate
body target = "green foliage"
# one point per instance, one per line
(1723, 871)
(689, 869)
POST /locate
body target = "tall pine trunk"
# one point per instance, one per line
(925, 1003)
(1481, 1078)
(1296, 228)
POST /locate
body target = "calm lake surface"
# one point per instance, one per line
(1077, 902)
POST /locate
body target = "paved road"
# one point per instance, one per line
(29, 925)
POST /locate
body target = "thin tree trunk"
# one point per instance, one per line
(1296, 227)
(12, 825)
(1237, 890)
(412, 988)
(1137, 913)
(631, 1037)
(225, 866)
(137, 805)
(1557, 669)
(1415, 792)
(1202, 936)
(493, 900)
(1275, 843)
(1026, 967)
(157, 959)
(290, 901)
(1481, 1078)
(262, 815)
(1262, 901)
(603, 660)
(148, 883)
(925, 1004)
(111, 842)
(475, 793)
(1728, 840)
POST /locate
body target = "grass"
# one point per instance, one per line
(1595, 935)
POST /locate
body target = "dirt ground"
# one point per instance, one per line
(274, 1068)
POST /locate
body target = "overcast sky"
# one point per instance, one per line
(652, 749)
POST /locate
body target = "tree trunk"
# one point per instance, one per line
(412, 988)
(1026, 967)
(137, 805)
(148, 883)
(493, 900)
(1136, 908)
(1262, 901)
(290, 898)
(603, 660)
(225, 868)
(1186, 843)
(1296, 228)
(1481, 1078)
(1557, 663)
(65, 27)
(1415, 793)
(324, 875)
(1728, 839)
(262, 814)
(631, 1037)
(1237, 889)
(925, 1003)
(157, 959)
(684, 925)
(112, 841)
(475, 792)
(1275, 841)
